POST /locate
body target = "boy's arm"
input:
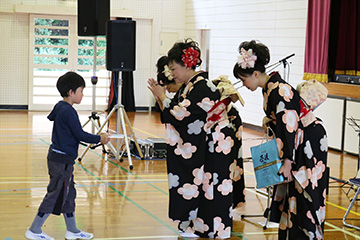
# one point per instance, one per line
(78, 132)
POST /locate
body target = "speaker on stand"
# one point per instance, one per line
(120, 56)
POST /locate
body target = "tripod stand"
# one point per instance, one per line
(266, 214)
(355, 124)
(120, 130)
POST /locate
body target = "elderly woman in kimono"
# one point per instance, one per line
(200, 141)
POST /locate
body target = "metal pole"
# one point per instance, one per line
(94, 81)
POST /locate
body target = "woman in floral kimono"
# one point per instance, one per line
(298, 204)
(199, 144)
(227, 89)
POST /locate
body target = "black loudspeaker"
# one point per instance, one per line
(92, 17)
(120, 45)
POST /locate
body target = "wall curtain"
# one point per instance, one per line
(317, 40)
(348, 41)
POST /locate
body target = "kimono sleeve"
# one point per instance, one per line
(285, 107)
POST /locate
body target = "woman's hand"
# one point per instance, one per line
(285, 170)
(157, 90)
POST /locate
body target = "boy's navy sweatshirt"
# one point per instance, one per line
(67, 131)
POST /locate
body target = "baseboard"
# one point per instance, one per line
(14, 107)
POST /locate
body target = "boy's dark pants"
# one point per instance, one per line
(61, 193)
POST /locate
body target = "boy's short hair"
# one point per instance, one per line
(69, 81)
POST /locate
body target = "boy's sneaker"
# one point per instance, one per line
(37, 236)
(80, 235)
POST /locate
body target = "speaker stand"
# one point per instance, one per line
(122, 138)
(121, 119)
(94, 80)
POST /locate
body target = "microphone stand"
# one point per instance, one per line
(285, 64)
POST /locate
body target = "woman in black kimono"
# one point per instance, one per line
(298, 204)
(226, 88)
(199, 144)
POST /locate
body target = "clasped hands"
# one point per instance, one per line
(157, 90)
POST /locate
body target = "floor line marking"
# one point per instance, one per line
(146, 132)
(342, 208)
(124, 196)
(342, 230)
(130, 200)
(139, 237)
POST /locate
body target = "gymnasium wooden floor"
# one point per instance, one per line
(115, 202)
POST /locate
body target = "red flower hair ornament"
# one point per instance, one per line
(190, 57)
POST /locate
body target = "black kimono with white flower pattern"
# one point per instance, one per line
(198, 161)
(237, 167)
(298, 206)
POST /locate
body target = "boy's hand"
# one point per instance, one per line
(104, 138)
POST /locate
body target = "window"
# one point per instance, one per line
(55, 49)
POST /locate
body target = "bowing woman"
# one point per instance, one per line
(298, 204)
(227, 89)
(199, 148)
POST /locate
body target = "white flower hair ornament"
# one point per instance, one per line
(167, 72)
(246, 59)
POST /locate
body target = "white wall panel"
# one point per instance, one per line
(14, 58)
(331, 112)
(280, 24)
(351, 143)
(152, 16)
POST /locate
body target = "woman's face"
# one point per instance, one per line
(178, 72)
(251, 82)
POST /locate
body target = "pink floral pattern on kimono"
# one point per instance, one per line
(302, 176)
(206, 104)
(285, 222)
(225, 145)
(209, 190)
(220, 228)
(239, 133)
(291, 119)
(185, 150)
(299, 138)
(200, 176)
(180, 113)
(235, 171)
(200, 226)
(189, 191)
(286, 92)
(317, 173)
(226, 187)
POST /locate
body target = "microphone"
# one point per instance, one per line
(284, 59)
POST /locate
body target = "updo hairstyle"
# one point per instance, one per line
(161, 78)
(175, 54)
(263, 58)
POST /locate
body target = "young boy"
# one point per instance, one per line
(66, 135)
